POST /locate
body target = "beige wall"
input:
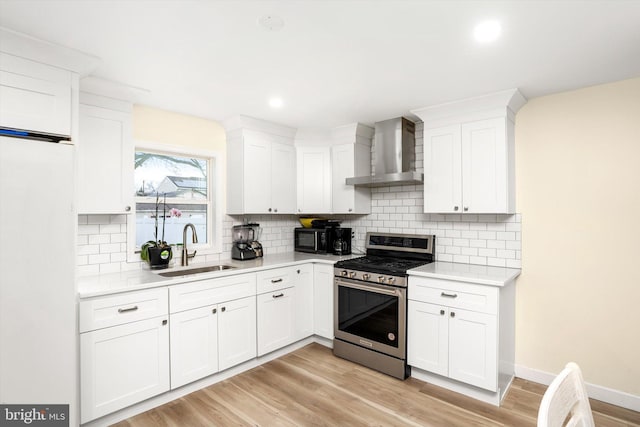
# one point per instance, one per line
(166, 127)
(578, 189)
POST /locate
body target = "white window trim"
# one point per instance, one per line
(214, 246)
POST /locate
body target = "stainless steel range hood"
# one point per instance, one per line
(395, 154)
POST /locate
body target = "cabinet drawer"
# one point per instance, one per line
(119, 309)
(450, 293)
(278, 278)
(211, 291)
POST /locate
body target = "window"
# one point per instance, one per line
(175, 187)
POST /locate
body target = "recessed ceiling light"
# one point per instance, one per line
(271, 22)
(487, 31)
(275, 102)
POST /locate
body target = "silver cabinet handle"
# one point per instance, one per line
(455, 208)
(125, 310)
(278, 296)
(276, 280)
(127, 208)
(444, 294)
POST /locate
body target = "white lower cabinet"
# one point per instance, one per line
(323, 300)
(276, 318)
(304, 311)
(236, 332)
(124, 350)
(137, 345)
(210, 339)
(455, 343)
(453, 331)
(194, 345)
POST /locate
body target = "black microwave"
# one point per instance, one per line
(328, 240)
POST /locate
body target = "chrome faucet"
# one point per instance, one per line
(194, 239)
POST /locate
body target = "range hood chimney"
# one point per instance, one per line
(395, 153)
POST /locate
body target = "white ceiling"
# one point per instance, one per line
(337, 62)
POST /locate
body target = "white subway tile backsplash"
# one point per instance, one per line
(88, 229)
(96, 239)
(109, 228)
(496, 244)
(99, 259)
(109, 248)
(506, 235)
(497, 262)
(88, 249)
(487, 252)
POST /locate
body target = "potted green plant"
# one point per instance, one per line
(157, 252)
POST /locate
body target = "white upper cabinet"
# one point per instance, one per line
(325, 160)
(469, 162)
(351, 157)
(314, 179)
(105, 155)
(261, 167)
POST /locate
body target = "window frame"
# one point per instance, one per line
(215, 191)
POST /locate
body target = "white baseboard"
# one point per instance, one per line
(597, 392)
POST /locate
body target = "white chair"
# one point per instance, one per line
(566, 400)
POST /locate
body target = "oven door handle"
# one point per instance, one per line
(392, 292)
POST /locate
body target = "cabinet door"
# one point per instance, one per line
(342, 166)
(304, 301)
(236, 332)
(194, 345)
(123, 365)
(427, 337)
(323, 300)
(276, 317)
(442, 170)
(314, 180)
(484, 166)
(257, 175)
(283, 178)
(473, 348)
(105, 161)
(34, 96)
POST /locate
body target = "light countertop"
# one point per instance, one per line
(113, 283)
(481, 274)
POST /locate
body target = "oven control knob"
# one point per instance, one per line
(380, 279)
(390, 280)
(344, 273)
(366, 276)
(352, 274)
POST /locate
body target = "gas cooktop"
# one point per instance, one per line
(392, 254)
(381, 264)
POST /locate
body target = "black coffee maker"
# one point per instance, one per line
(340, 241)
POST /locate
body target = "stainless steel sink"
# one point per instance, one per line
(190, 271)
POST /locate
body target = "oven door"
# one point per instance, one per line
(371, 316)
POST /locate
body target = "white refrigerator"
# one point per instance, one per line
(38, 328)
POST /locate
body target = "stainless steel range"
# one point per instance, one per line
(370, 301)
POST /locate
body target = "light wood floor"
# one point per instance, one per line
(311, 387)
